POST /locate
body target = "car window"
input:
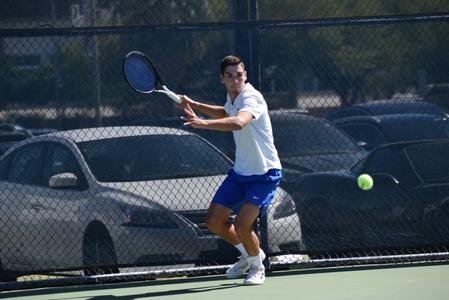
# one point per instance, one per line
(60, 160)
(436, 168)
(310, 136)
(388, 160)
(26, 164)
(223, 140)
(367, 133)
(139, 158)
(420, 129)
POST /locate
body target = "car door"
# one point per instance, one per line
(58, 209)
(390, 208)
(21, 171)
(431, 162)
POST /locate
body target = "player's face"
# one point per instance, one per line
(234, 79)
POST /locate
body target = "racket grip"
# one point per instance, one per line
(172, 95)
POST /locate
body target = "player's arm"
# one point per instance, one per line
(213, 111)
(222, 124)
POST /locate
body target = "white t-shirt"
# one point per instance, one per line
(255, 152)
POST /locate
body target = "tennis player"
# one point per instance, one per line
(251, 184)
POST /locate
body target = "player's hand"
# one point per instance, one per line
(191, 119)
(185, 100)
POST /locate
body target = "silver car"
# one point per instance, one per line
(97, 197)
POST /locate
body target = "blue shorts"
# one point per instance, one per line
(256, 189)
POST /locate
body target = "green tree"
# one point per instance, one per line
(357, 62)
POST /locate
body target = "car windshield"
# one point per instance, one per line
(151, 157)
(311, 137)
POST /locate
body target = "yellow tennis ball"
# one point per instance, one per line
(365, 182)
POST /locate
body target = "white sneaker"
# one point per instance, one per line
(239, 268)
(255, 276)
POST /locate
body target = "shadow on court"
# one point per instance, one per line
(130, 285)
(168, 293)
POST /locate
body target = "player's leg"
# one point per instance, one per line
(244, 228)
(216, 220)
(227, 198)
(258, 196)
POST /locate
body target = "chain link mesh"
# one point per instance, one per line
(118, 188)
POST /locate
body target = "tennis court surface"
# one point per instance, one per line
(411, 282)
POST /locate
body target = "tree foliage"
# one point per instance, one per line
(357, 62)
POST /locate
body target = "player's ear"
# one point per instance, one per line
(221, 79)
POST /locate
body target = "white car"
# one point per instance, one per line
(102, 197)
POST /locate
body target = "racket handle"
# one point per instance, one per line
(170, 94)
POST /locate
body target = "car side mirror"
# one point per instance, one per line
(63, 180)
(384, 177)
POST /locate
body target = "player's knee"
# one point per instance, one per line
(214, 225)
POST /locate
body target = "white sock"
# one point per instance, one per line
(242, 249)
(257, 261)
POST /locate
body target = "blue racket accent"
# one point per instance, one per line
(140, 73)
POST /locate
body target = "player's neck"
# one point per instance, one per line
(233, 96)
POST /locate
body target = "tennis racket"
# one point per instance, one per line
(141, 75)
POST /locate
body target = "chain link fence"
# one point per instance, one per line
(108, 184)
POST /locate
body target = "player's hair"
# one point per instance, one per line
(230, 60)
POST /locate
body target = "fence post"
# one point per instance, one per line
(246, 41)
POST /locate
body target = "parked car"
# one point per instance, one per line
(372, 131)
(97, 197)
(386, 107)
(224, 140)
(305, 144)
(407, 208)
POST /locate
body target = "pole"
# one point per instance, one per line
(92, 51)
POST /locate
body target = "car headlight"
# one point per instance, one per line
(285, 207)
(135, 216)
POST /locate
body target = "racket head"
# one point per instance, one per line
(139, 72)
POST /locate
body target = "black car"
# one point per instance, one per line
(408, 206)
(372, 131)
(387, 107)
(281, 120)
(305, 144)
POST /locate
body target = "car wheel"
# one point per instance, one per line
(99, 255)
